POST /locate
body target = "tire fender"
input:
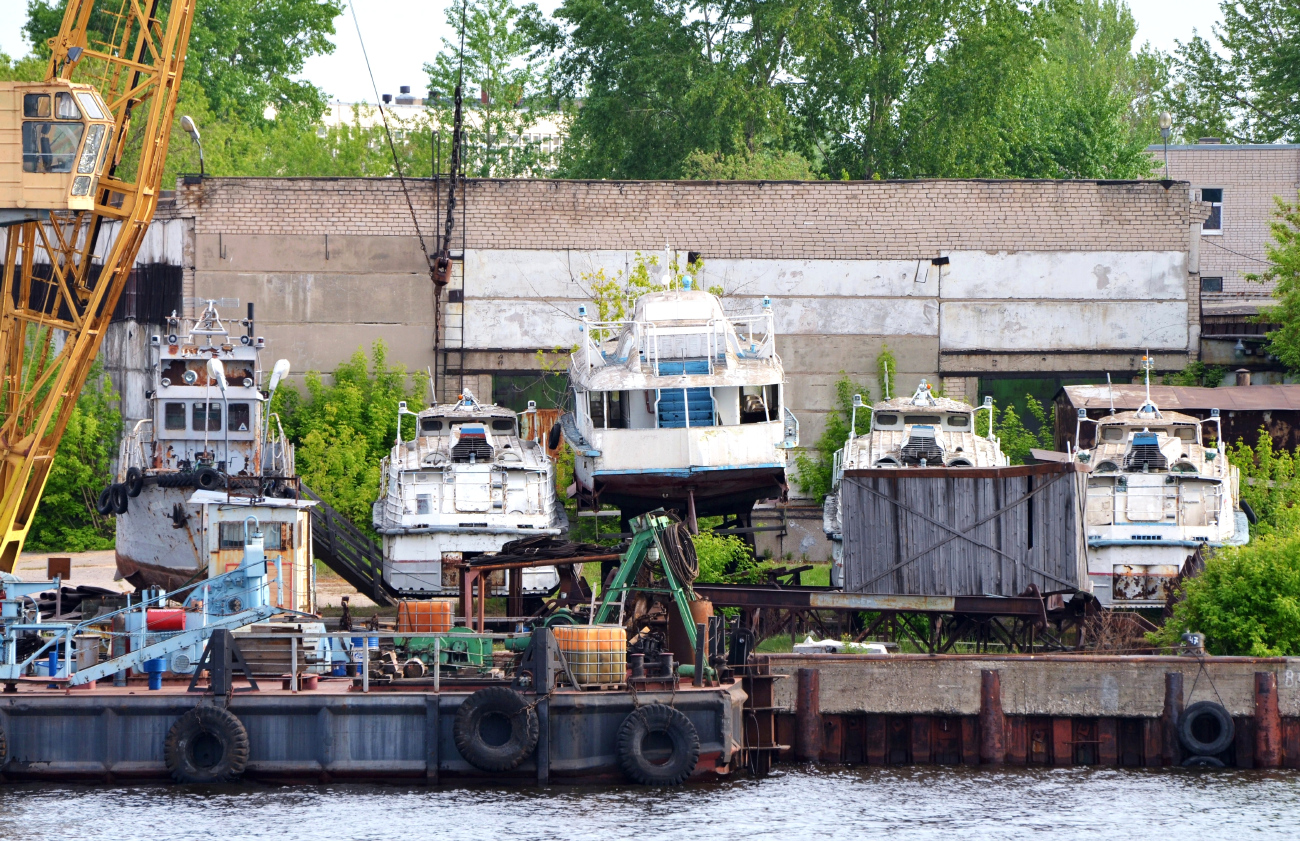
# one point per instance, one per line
(120, 498)
(134, 481)
(553, 437)
(1196, 720)
(209, 479)
(104, 505)
(658, 721)
(489, 703)
(206, 745)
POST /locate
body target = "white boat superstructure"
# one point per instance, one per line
(917, 432)
(208, 457)
(465, 485)
(682, 406)
(1156, 491)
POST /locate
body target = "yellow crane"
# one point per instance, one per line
(81, 164)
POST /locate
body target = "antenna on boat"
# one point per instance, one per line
(885, 365)
(1110, 390)
(433, 392)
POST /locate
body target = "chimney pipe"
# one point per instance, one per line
(1243, 376)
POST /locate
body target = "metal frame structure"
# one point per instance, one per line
(134, 54)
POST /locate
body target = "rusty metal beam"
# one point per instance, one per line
(820, 598)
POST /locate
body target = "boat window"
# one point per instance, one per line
(430, 426)
(210, 411)
(232, 535)
(959, 421)
(1112, 433)
(773, 401)
(173, 416)
(885, 420)
(65, 108)
(608, 409)
(752, 409)
(36, 105)
(924, 419)
(1183, 467)
(1185, 433)
(235, 376)
(50, 147)
(239, 418)
(1106, 467)
(92, 107)
(423, 503)
(596, 408)
(960, 462)
(503, 425)
(181, 372)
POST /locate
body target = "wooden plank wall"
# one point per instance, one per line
(891, 516)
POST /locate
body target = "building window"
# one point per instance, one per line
(232, 535)
(1211, 284)
(1213, 197)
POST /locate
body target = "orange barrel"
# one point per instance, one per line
(424, 617)
(596, 654)
(171, 619)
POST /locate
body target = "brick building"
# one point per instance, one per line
(1240, 182)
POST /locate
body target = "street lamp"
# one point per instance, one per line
(1166, 124)
(192, 130)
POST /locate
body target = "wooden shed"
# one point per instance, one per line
(965, 531)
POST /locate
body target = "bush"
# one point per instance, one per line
(1247, 599)
(814, 470)
(1270, 480)
(719, 553)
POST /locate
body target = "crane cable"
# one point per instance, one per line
(679, 553)
(397, 164)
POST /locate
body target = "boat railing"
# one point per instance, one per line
(746, 336)
(131, 451)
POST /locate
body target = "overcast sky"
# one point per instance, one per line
(401, 35)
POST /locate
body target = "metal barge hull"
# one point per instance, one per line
(115, 735)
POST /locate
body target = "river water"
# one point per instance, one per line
(950, 804)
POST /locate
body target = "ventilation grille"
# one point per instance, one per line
(1145, 453)
(921, 445)
(468, 446)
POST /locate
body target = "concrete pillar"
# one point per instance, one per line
(808, 717)
(993, 750)
(1173, 712)
(1268, 722)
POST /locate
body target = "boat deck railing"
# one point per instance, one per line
(650, 343)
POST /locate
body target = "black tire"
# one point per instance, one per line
(1205, 729)
(206, 745)
(1251, 517)
(104, 505)
(644, 751)
(119, 498)
(553, 437)
(134, 481)
(495, 729)
(209, 479)
(1203, 762)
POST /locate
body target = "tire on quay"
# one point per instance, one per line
(206, 745)
(495, 729)
(1205, 729)
(658, 745)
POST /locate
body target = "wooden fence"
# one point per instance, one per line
(964, 531)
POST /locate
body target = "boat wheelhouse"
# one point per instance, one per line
(1158, 488)
(208, 457)
(917, 432)
(682, 406)
(465, 485)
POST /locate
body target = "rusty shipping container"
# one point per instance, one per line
(964, 531)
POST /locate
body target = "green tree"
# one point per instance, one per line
(342, 429)
(814, 470)
(29, 69)
(1284, 272)
(1270, 481)
(1196, 374)
(763, 165)
(501, 81)
(1249, 90)
(66, 520)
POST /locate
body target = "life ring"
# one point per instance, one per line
(119, 498)
(209, 479)
(553, 437)
(658, 745)
(495, 729)
(134, 481)
(1205, 728)
(104, 505)
(206, 745)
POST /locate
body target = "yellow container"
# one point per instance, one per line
(596, 654)
(424, 617)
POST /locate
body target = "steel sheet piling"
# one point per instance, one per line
(1268, 722)
(1173, 711)
(992, 722)
(808, 718)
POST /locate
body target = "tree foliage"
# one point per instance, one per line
(814, 469)
(66, 520)
(1270, 481)
(1196, 374)
(1284, 272)
(1245, 88)
(342, 429)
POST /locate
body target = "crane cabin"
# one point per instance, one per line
(55, 138)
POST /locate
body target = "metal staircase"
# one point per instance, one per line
(451, 343)
(347, 550)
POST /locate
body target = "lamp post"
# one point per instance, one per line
(192, 130)
(1166, 124)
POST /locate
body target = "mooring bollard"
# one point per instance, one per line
(1173, 754)
(808, 717)
(1268, 722)
(993, 748)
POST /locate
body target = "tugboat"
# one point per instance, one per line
(465, 485)
(1156, 491)
(680, 407)
(208, 457)
(917, 432)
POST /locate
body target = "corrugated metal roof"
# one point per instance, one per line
(1254, 398)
